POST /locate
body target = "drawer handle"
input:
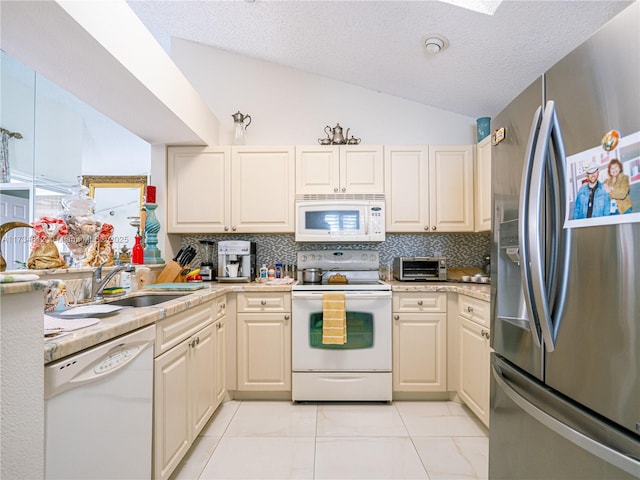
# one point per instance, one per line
(420, 302)
(218, 325)
(263, 302)
(484, 333)
(470, 309)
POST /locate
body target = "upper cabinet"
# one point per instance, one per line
(244, 189)
(339, 169)
(483, 185)
(429, 188)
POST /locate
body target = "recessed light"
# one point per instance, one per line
(434, 43)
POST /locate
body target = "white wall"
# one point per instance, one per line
(292, 107)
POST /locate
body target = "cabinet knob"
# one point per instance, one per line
(420, 302)
(433, 228)
(344, 189)
(226, 229)
(218, 325)
(484, 333)
(286, 317)
(234, 228)
(197, 340)
(396, 317)
(426, 227)
(263, 302)
(335, 189)
(470, 309)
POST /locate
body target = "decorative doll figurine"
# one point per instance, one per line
(100, 252)
(44, 253)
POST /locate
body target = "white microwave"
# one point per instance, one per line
(340, 218)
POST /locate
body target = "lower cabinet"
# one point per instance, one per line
(474, 334)
(185, 388)
(420, 342)
(264, 341)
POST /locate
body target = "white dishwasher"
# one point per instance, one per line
(99, 411)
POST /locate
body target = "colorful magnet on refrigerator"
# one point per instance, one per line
(610, 140)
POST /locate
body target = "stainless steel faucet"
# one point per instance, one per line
(98, 285)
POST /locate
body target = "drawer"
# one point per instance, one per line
(173, 330)
(221, 306)
(259, 302)
(474, 309)
(417, 302)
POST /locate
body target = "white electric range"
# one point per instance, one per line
(360, 369)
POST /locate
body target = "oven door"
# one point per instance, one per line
(368, 346)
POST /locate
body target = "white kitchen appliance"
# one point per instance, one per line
(340, 218)
(359, 370)
(99, 411)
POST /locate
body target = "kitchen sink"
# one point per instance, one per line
(145, 300)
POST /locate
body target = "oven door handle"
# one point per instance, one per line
(352, 295)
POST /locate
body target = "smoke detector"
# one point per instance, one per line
(434, 43)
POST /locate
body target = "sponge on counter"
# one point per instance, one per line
(113, 291)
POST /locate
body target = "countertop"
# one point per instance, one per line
(129, 319)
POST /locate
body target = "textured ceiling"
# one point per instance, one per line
(379, 44)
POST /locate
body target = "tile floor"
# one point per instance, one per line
(282, 440)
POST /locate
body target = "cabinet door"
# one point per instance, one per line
(264, 351)
(198, 195)
(406, 192)
(220, 360)
(171, 419)
(474, 367)
(483, 185)
(263, 181)
(451, 191)
(317, 169)
(419, 352)
(361, 169)
(203, 388)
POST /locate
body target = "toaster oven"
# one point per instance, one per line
(420, 269)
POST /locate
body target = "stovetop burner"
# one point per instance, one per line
(360, 267)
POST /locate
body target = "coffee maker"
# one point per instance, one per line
(236, 261)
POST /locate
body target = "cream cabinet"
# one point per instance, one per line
(474, 350)
(451, 193)
(483, 185)
(184, 386)
(264, 341)
(244, 189)
(429, 188)
(221, 340)
(419, 342)
(406, 188)
(339, 169)
(198, 189)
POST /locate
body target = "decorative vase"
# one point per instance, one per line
(152, 254)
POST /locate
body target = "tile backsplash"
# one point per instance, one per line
(461, 249)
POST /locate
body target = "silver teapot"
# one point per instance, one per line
(335, 134)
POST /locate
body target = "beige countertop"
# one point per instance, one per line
(129, 319)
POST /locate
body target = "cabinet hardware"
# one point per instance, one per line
(286, 317)
(335, 189)
(263, 302)
(396, 317)
(420, 302)
(426, 227)
(344, 189)
(484, 333)
(470, 309)
(234, 228)
(226, 229)
(433, 228)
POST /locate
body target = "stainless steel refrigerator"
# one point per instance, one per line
(565, 310)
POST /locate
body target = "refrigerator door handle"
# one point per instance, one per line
(523, 229)
(550, 134)
(592, 446)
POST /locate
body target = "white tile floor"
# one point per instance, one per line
(282, 440)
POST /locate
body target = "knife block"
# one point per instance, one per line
(170, 273)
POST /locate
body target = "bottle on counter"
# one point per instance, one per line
(278, 270)
(137, 253)
(263, 271)
(271, 273)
